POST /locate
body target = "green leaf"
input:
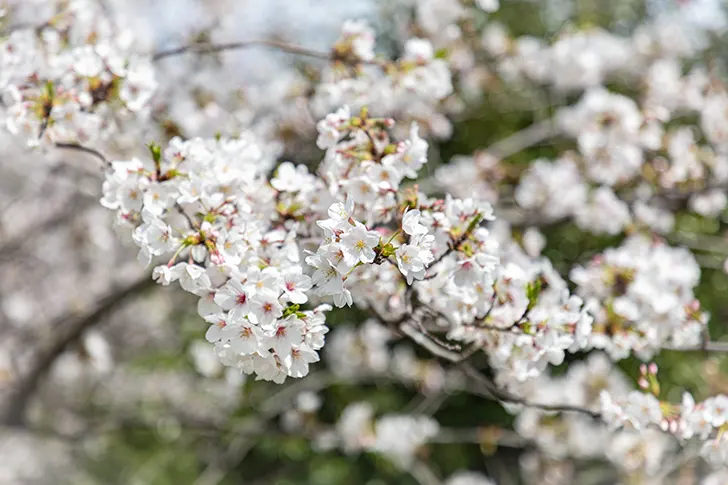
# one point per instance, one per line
(156, 152)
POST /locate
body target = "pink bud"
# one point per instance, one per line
(653, 369)
(664, 425)
(642, 382)
(643, 369)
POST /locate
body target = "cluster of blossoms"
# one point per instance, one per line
(237, 240)
(206, 203)
(400, 225)
(210, 200)
(363, 352)
(443, 21)
(643, 298)
(639, 410)
(256, 241)
(619, 141)
(569, 434)
(359, 351)
(583, 58)
(450, 26)
(611, 135)
(559, 438)
(574, 61)
(73, 79)
(397, 436)
(620, 146)
(634, 154)
(483, 172)
(519, 311)
(410, 86)
(244, 237)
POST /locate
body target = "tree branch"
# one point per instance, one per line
(492, 391)
(65, 330)
(485, 387)
(214, 48)
(717, 347)
(75, 146)
(528, 137)
(432, 346)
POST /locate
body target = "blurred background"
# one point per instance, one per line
(105, 377)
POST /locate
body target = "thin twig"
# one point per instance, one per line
(502, 395)
(22, 26)
(717, 347)
(75, 146)
(440, 342)
(193, 223)
(214, 48)
(433, 347)
(528, 137)
(455, 245)
(486, 388)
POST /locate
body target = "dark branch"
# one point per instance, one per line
(81, 148)
(490, 390)
(65, 330)
(215, 48)
(717, 347)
